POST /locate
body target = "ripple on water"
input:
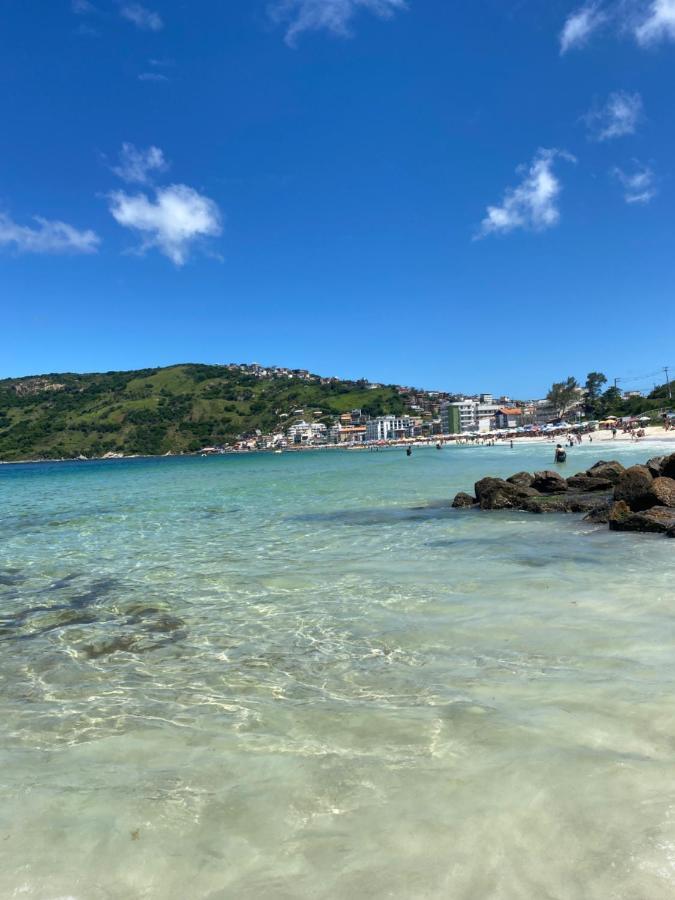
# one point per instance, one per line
(219, 673)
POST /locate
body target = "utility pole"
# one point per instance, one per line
(670, 389)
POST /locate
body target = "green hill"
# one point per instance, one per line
(153, 411)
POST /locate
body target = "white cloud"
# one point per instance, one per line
(142, 17)
(136, 166)
(48, 236)
(580, 25)
(172, 222)
(648, 21)
(157, 77)
(617, 118)
(659, 23)
(639, 186)
(331, 15)
(533, 204)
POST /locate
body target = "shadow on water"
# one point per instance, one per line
(383, 516)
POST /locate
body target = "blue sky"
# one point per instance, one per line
(464, 196)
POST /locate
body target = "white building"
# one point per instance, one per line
(459, 416)
(389, 428)
(307, 433)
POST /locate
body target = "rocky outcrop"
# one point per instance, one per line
(549, 483)
(464, 501)
(567, 503)
(611, 471)
(655, 465)
(658, 520)
(663, 491)
(668, 466)
(584, 482)
(635, 488)
(640, 498)
(495, 493)
(522, 479)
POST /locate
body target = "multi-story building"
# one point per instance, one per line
(347, 434)
(509, 417)
(307, 433)
(389, 428)
(459, 416)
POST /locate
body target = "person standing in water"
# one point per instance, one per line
(560, 455)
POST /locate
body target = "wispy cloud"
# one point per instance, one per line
(533, 204)
(172, 222)
(618, 117)
(157, 77)
(137, 166)
(639, 186)
(47, 236)
(329, 15)
(142, 17)
(581, 25)
(648, 21)
(82, 7)
(659, 23)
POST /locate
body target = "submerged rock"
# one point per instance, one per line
(599, 515)
(567, 503)
(463, 501)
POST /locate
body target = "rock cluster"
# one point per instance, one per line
(640, 498)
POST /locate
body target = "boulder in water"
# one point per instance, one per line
(549, 483)
(635, 488)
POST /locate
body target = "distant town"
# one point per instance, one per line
(431, 414)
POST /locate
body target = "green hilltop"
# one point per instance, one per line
(175, 409)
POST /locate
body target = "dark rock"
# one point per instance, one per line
(567, 503)
(668, 466)
(522, 479)
(658, 520)
(495, 493)
(655, 465)
(549, 483)
(598, 516)
(611, 470)
(463, 501)
(635, 488)
(663, 491)
(583, 482)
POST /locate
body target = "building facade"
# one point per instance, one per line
(389, 428)
(459, 416)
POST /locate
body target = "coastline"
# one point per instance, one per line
(652, 432)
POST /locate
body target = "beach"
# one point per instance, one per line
(305, 676)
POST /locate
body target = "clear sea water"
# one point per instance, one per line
(276, 677)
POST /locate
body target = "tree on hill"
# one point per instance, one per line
(563, 395)
(593, 390)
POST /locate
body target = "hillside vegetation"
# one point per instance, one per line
(154, 411)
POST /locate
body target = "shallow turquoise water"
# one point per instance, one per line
(273, 677)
